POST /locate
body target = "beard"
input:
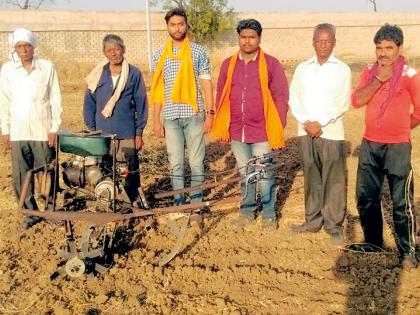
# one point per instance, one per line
(178, 36)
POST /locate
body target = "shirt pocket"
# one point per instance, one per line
(42, 93)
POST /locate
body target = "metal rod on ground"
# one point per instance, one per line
(203, 186)
(212, 184)
(114, 172)
(56, 172)
(103, 218)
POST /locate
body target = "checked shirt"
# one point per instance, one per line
(201, 64)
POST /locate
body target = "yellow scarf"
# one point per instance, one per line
(273, 125)
(185, 89)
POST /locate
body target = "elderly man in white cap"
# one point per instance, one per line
(30, 112)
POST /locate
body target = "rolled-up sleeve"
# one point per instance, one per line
(204, 69)
(362, 83)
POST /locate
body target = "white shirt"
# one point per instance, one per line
(321, 93)
(30, 102)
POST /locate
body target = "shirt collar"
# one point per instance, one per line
(331, 59)
(253, 59)
(18, 64)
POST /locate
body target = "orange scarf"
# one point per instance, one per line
(273, 125)
(184, 90)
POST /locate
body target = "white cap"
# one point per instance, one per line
(22, 35)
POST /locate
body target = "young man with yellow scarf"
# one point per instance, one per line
(182, 86)
(252, 97)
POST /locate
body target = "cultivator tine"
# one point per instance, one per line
(65, 255)
(84, 241)
(143, 200)
(95, 253)
(61, 271)
(72, 247)
(180, 234)
(84, 247)
(100, 269)
(173, 226)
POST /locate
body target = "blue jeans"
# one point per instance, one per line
(177, 133)
(243, 152)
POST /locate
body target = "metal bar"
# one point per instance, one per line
(26, 182)
(103, 218)
(203, 186)
(211, 184)
(114, 172)
(24, 190)
(56, 172)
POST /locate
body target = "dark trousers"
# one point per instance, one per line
(377, 160)
(27, 155)
(324, 169)
(126, 152)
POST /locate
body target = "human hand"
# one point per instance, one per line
(6, 143)
(312, 128)
(158, 129)
(138, 142)
(52, 138)
(208, 123)
(385, 70)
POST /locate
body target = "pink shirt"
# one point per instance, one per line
(247, 122)
(395, 124)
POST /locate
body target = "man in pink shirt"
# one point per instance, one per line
(390, 89)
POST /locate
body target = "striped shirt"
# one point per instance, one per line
(201, 64)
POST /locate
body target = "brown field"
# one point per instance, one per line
(220, 271)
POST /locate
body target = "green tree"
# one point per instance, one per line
(206, 18)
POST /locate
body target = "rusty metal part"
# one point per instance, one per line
(103, 218)
(179, 232)
(27, 181)
(78, 262)
(142, 199)
(209, 184)
(253, 162)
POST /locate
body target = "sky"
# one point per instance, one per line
(249, 5)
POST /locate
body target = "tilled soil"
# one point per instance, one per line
(220, 270)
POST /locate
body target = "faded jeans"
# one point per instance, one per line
(243, 152)
(177, 133)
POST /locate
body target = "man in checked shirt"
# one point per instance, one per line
(182, 87)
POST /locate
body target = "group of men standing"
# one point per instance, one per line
(250, 111)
